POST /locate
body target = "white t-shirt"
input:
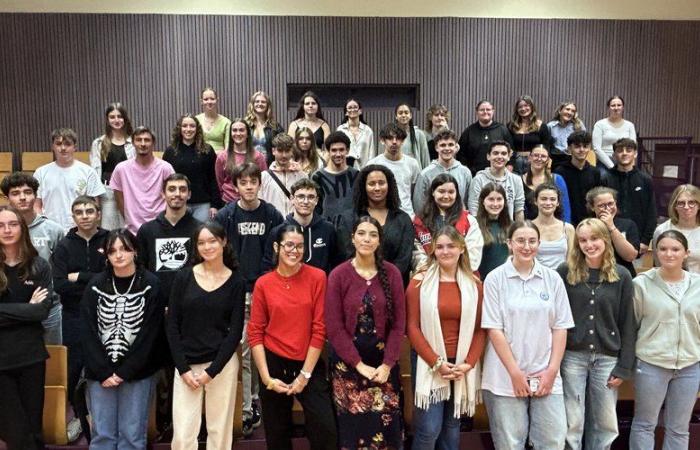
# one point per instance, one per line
(406, 171)
(59, 186)
(526, 310)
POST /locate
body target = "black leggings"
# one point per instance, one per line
(319, 418)
(21, 406)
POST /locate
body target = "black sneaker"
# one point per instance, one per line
(247, 427)
(257, 418)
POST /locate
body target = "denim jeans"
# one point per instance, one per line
(654, 386)
(585, 377)
(119, 414)
(511, 419)
(435, 427)
(249, 373)
(53, 325)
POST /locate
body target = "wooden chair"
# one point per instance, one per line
(54, 417)
(83, 157)
(57, 366)
(55, 395)
(33, 160)
(591, 158)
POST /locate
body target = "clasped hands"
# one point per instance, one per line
(450, 371)
(195, 380)
(377, 374)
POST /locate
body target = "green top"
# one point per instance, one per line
(493, 254)
(219, 134)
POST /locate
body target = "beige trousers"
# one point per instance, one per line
(219, 398)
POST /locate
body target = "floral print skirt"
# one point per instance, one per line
(369, 414)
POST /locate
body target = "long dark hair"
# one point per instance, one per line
(176, 135)
(300, 111)
(431, 210)
(379, 263)
(411, 128)
(219, 232)
(482, 217)
(27, 252)
(249, 149)
(107, 140)
(345, 110)
(286, 228)
(359, 194)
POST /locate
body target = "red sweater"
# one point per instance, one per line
(450, 310)
(287, 313)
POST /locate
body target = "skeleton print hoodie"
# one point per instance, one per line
(121, 325)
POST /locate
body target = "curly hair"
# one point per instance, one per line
(359, 194)
(176, 135)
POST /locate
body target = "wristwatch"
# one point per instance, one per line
(306, 374)
(437, 364)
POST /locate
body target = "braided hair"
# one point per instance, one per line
(379, 263)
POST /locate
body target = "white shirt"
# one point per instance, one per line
(406, 171)
(361, 148)
(526, 310)
(693, 237)
(59, 186)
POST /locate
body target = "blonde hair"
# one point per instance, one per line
(576, 260)
(456, 237)
(694, 192)
(250, 116)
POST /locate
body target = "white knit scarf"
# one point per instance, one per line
(430, 386)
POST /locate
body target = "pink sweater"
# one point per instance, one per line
(223, 177)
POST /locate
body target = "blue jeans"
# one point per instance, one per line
(511, 419)
(119, 414)
(53, 334)
(654, 386)
(585, 377)
(436, 427)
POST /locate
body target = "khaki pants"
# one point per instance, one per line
(219, 397)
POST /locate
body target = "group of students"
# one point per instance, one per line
(318, 263)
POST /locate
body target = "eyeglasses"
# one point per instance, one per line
(306, 198)
(289, 246)
(687, 204)
(609, 205)
(538, 156)
(524, 242)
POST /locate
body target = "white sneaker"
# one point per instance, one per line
(74, 429)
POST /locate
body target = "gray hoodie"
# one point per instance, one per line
(461, 173)
(45, 234)
(512, 184)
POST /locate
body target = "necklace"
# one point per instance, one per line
(114, 286)
(367, 274)
(593, 289)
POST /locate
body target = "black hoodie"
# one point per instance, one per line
(475, 141)
(75, 254)
(320, 243)
(635, 199)
(578, 183)
(166, 248)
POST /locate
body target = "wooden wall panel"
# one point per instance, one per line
(63, 69)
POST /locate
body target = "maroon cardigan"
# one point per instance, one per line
(344, 295)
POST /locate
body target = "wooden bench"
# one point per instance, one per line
(56, 395)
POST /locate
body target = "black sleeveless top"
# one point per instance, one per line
(115, 155)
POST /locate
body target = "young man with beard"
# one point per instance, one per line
(446, 146)
(498, 156)
(137, 182)
(20, 190)
(77, 259)
(405, 168)
(336, 180)
(165, 242)
(635, 190)
(320, 242)
(248, 223)
(166, 246)
(579, 175)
